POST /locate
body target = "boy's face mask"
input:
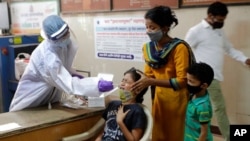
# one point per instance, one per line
(194, 89)
(156, 35)
(125, 95)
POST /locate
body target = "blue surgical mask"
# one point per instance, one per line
(155, 36)
(125, 95)
(64, 43)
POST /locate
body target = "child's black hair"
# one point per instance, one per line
(136, 76)
(202, 71)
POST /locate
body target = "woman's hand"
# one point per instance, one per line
(141, 84)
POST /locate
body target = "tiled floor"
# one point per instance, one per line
(218, 138)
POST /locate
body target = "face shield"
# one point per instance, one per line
(56, 31)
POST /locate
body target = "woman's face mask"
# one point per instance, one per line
(125, 95)
(156, 35)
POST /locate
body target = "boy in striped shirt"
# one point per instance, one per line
(199, 109)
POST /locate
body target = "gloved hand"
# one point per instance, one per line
(105, 86)
(77, 75)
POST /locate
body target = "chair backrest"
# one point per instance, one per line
(147, 133)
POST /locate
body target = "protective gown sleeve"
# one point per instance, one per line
(59, 76)
(57, 72)
(63, 80)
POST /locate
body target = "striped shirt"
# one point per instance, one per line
(199, 110)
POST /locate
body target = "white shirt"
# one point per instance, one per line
(209, 46)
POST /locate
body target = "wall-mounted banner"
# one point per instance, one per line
(27, 17)
(120, 38)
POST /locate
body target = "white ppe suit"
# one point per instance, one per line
(48, 74)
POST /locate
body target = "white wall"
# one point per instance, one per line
(237, 27)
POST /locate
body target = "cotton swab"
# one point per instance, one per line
(109, 92)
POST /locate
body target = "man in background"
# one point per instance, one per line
(209, 43)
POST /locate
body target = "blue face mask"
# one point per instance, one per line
(125, 95)
(64, 43)
(155, 36)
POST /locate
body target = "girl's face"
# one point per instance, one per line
(126, 82)
(155, 32)
(125, 93)
(151, 26)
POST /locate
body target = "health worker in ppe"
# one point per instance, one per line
(49, 72)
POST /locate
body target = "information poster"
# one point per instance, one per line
(120, 38)
(27, 17)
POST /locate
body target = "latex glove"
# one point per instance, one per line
(105, 86)
(77, 75)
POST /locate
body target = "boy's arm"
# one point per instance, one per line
(203, 134)
(205, 115)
